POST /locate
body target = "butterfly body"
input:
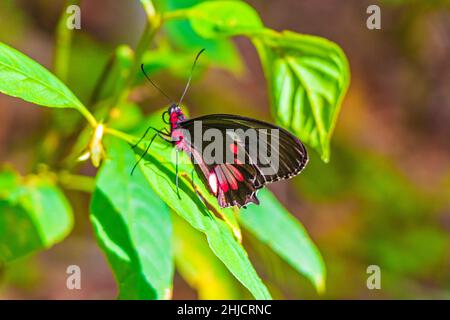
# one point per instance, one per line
(246, 153)
(234, 181)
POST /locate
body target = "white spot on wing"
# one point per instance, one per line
(212, 180)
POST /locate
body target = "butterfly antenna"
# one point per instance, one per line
(190, 76)
(154, 84)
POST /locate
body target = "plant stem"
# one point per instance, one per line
(88, 116)
(151, 27)
(76, 182)
(63, 44)
(175, 15)
(102, 79)
(121, 135)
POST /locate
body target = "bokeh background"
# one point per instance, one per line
(383, 199)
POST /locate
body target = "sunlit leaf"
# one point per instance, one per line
(308, 77)
(199, 266)
(167, 60)
(90, 59)
(221, 52)
(34, 215)
(213, 19)
(159, 170)
(24, 78)
(133, 227)
(274, 226)
(161, 175)
(186, 168)
(125, 116)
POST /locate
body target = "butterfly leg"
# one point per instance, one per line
(176, 174)
(158, 132)
(145, 152)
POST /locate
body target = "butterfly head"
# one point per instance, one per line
(173, 108)
(175, 115)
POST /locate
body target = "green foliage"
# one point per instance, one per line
(308, 77)
(130, 214)
(34, 215)
(223, 19)
(274, 226)
(88, 70)
(28, 80)
(221, 52)
(125, 116)
(199, 266)
(160, 174)
(133, 228)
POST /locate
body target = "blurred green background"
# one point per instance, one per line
(383, 199)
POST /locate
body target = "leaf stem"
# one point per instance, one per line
(63, 44)
(76, 182)
(102, 80)
(151, 27)
(88, 116)
(175, 15)
(121, 135)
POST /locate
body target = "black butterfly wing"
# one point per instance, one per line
(231, 184)
(236, 182)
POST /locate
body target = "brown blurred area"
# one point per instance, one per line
(397, 107)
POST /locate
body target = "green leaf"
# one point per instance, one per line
(167, 60)
(89, 57)
(213, 19)
(199, 266)
(133, 227)
(9, 180)
(274, 226)
(63, 42)
(221, 52)
(159, 170)
(193, 210)
(308, 77)
(186, 167)
(24, 78)
(34, 215)
(125, 116)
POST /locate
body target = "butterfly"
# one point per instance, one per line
(234, 180)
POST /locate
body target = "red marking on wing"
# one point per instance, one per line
(223, 184)
(236, 173)
(234, 148)
(229, 176)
